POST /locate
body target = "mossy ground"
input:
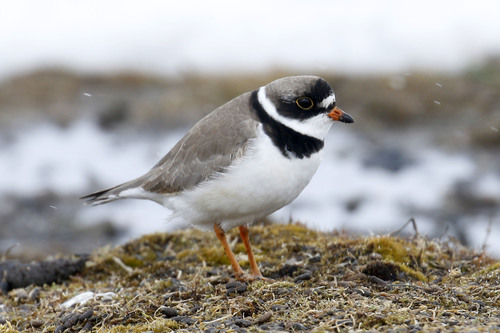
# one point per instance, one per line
(181, 281)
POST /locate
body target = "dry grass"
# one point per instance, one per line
(323, 282)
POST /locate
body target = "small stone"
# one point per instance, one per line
(88, 326)
(169, 312)
(86, 315)
(303, 277)
(211, 330)
(281, 291)
(36, 323)
(363, 292)
(286, 270)
(315, 259)
(70, 320)
(34, 294)
(374, 279)
(184, 320)
(242, 322)
(263, 318)
(414, 328)
(274, 327)
(299, 327)
(233, 284)
(235, 288)
(279, 307)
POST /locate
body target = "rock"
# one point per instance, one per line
(242, 322)
(235, 288)
(169, 312)
(303, 277)
(299, 327)
(185, 320)
(19, 275)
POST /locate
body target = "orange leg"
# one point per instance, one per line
(221, 235)
(253, 264)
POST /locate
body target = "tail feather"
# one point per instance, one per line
(102, 197)
(131, 189)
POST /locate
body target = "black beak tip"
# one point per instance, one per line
(345, 118)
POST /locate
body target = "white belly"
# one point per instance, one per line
(258, 184)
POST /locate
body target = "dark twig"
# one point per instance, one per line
(445, 232)
(415, 229)
(488, 232)
(5, 255)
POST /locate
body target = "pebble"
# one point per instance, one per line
(169, 312)
(242, 322)
(374, 279)
(263, 318)
(34, 294)
(299, 327)
(72, 319)
(278, 307)
(235, 288)
(185, 320)
(286, 270)
(275, 327)
(88, 326)
(315, 259)
(86, 315)
(303, 277)
(363, 292)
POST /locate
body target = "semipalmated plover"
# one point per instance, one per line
(245, 160)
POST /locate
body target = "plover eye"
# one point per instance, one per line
(305, 103)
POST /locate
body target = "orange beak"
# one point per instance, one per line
(338, 115)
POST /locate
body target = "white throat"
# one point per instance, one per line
(316, 127)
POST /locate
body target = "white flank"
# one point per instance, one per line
(140, 193)
(253, 187)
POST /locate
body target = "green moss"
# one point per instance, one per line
(213, 255)
(132, 261)
(413, 273)
(390, 248)
(489, 272)
(188, 271)
(157, 326)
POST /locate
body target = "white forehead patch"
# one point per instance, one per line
(328, 101)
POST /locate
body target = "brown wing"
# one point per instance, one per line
(208, 148)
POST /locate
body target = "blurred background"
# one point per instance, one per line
(94, 93)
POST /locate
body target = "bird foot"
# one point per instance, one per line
(252, 277)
